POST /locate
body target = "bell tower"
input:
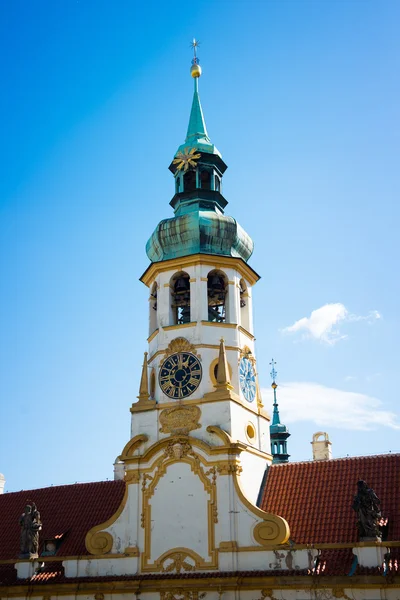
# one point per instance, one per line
(200, 369)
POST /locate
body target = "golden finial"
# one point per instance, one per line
(223, 369)
(144, 381)
(195, 69)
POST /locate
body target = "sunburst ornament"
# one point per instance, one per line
(185, 159)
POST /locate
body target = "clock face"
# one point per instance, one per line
(247, 377)
(180, 375)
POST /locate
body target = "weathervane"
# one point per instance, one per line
(273, 372)
(195, 44)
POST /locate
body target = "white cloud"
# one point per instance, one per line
(323, 322)
(331, 407)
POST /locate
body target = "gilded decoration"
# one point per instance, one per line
(186, 159)
(132, 477)
(133, 445)
(246, 352)
(267, 593)
(340, 593)
(179, 449)
(227, 468)
(100, 542)
(177, 561)
(179, 420)
(182, 594)
(180, 344)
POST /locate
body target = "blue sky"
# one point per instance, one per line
(301, 98)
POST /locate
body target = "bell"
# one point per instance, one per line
(216, 284)
(185, 315)
(182, 285)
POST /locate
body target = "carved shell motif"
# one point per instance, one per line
(180, 344)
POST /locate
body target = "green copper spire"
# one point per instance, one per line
(278, 432)
(197, 136)
(199, 225)
(197, 127)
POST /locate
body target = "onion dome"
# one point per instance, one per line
(199, 224)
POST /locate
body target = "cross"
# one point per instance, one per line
(195, 44)
(273, 372)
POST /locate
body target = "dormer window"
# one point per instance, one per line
(51, 545)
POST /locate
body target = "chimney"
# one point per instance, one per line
(2, 483)
(321, 446)
(119, 470)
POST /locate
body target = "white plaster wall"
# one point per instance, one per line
(179, 512)
(251, 477)
(125, 530)
(93, 567)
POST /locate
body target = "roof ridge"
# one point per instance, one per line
(62, 485)
(330, 460)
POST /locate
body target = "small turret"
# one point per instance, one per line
(321, 446)
(2, 483)
(278, 432)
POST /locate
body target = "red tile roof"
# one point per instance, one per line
(316, 497)
(67, 509)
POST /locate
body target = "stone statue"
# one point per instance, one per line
(30, 526)
(367, 506)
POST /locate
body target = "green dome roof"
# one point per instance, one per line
(199, 231)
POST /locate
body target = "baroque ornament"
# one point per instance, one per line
(245, 352)
(177, 449)
(185, 159)
(180, 344)
(179, 420)
(181, 594)
(178, 563)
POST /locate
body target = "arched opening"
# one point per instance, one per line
(244, 305)
(177, 184)
(180, 298)
(189, 181)
(205, 179)
(153, 309)
(217, 183)
(217, 286)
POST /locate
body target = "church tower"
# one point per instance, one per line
(201, 340)
(200, 443)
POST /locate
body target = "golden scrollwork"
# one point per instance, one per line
(179, 420)
(146, 478)
(178, 563)
(180, 344)
(245, 351)
(268, 531)
(228, 468)
(100, 542)
(181, 594)
(132, 477)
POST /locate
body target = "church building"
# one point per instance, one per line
(205, 502)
